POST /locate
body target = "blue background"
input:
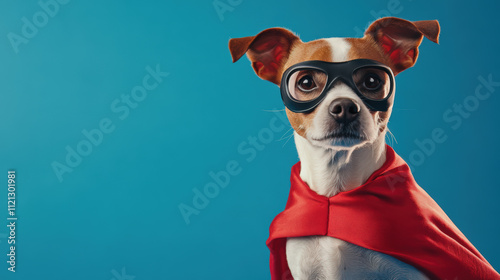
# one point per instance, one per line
(117, 213)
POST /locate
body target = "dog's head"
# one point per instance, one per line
(331, 104)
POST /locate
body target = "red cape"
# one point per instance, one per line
(390, 214)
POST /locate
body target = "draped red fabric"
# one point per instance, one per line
(390, 214)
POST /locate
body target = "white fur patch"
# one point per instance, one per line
(340, 49)
(329, 170)
(321, 123)
(328, 258)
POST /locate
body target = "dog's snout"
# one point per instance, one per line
(344, 110)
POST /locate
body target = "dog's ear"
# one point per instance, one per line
(399, 39)
(268, 51)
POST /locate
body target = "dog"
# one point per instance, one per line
(339, 94)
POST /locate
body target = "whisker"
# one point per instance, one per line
(393, 137)
(274, 110)
(285, 134)
(289, 137)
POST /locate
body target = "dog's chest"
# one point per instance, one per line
(323, 257)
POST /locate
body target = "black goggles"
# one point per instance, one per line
(304, 85)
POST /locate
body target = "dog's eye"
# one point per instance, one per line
(306, 83)
(372, 81)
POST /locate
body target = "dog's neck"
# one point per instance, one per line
(328, 171)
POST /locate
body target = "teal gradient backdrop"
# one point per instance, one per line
(114, 214)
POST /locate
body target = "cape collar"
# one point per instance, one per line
(390, 214)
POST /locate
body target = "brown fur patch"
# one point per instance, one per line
(314, 50)
(367, 48)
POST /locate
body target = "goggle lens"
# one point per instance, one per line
(373, 83)
(307, 84)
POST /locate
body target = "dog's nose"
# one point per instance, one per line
(344, 110)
